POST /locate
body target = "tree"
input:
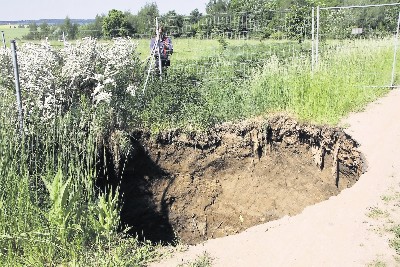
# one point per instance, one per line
(132, 21)
(295, 21)
(33, 32)
(116, 24)
(33, 27)
(70, 29)
(191, 24)
(146, 18)
(172, 23)
(94, 29)
(217, 6)
(44, 29)
(248, 6)
(261, 13)
(195, 16)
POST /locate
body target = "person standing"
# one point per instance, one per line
(164, 47)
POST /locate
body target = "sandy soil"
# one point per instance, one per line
(342, 231)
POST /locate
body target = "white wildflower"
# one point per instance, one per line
(131, 89)
(102, 97)
(52, 77)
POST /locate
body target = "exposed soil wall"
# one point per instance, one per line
(198, 186)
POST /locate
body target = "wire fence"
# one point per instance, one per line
(244, 42)
(361, 31)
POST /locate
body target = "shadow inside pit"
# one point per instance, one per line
(146, 219)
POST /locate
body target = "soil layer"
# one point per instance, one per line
(197, 186)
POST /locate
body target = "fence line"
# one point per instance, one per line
(4, 39)
(245, 26)
(17, 85)
(315, 51)
(395, 52)
(359, 6)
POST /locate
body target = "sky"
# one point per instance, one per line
(87, 9)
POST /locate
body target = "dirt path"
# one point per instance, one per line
(336, 232)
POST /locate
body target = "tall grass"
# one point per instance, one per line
(51, 212)
(344, 82)
(276, 81)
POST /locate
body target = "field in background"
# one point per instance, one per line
(184, 49)
(13, 32)
(192, 48)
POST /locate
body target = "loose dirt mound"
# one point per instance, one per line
(200, 186)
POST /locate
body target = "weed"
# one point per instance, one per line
(203, 260)
(395, 242)
(376, 213)
(392, 197)
(223, 43)
(377, 263)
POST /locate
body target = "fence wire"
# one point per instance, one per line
(365, 32)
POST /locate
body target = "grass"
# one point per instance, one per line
(195, 49)
(391, 200)
(376, 213)
(199, 93)
(13, 32)
(377, 263)
(395, 242)
(51, 212)
(203, 260)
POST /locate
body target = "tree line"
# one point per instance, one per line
(250, 18)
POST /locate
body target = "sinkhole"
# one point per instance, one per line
(191, 186)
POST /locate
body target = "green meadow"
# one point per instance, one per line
(13, 32)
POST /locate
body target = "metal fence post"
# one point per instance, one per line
(317, 41)
(4, 39)
(17, 85)
(396, 42)
(312, 39)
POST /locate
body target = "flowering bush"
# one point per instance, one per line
(39, 67)
(72, 97)
(54, 79)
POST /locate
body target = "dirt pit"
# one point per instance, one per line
(193, 187)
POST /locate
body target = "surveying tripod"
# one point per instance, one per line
(154, 60)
